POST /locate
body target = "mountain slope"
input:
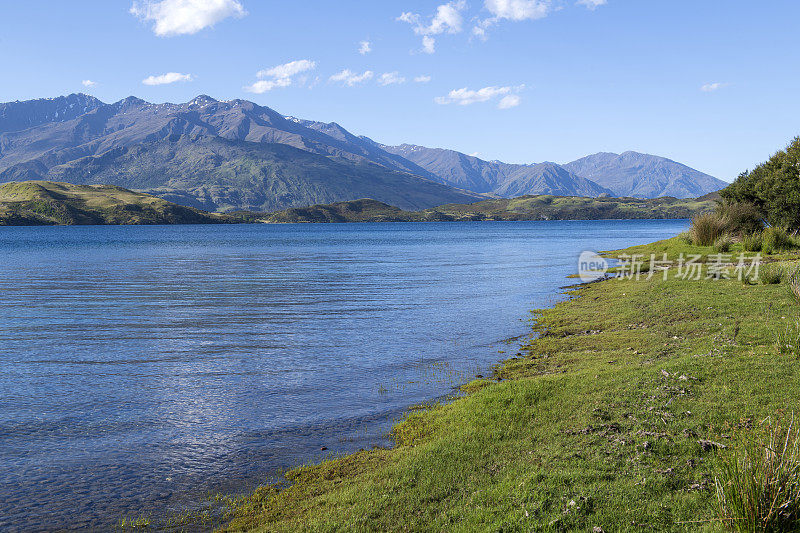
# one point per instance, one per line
(503, 179)
(48, 203)
(234, 159)
(223, 175)
(644, 176)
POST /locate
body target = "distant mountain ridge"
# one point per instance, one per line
(233, 155)
(494, 177)
(644, 176)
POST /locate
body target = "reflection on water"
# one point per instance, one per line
(145, 366)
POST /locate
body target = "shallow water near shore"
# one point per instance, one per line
(145, 367)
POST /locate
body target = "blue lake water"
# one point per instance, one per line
(143, 367)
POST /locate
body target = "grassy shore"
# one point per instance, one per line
(610, 418)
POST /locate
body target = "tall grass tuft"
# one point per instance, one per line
(776, 239)
(758, 483)
(752, 242)
(794, 283)
(787, 339)
(706, 229)
(770, 274)
(723, 244)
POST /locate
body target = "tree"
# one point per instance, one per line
(773, 187)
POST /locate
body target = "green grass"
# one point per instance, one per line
(598, 424)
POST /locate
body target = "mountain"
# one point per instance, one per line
(237, 155)
(15, 116)
(644, 176)
(205, 153)
(494, 177)
(36, 203)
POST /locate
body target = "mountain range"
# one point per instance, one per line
(237, 155)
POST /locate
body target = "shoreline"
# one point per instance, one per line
(612, 404)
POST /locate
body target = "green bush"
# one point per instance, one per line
(752, 242)
(706, 229)
(776, 240)
(723, 244)
(758, 483)
(740, 218)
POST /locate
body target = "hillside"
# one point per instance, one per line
(644, 175)
(217, 174)
(544, 207)
(37, 203)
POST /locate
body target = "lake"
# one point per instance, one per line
(143, 368)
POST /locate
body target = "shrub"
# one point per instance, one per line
(752, 242)
(685, 237)
(776, 240)
(741, 218)
(706, 229)
(723, 244)
(758, 483)
(770, 274)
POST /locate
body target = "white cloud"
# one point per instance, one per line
(391, 78)
(287, 70)
(466, 96)
(475, 154)
(514, 10)
(262, 86)
(448, 19)
(711, 87)
(88, 83)
(428, 44)
(182, 17)
(422, 79)
(280, 76)
(509, 101)
(592, 4)
(169, 77)
(518, 10)
(350, 78)
(364, 48)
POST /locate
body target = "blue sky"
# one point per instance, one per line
(708, 83)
